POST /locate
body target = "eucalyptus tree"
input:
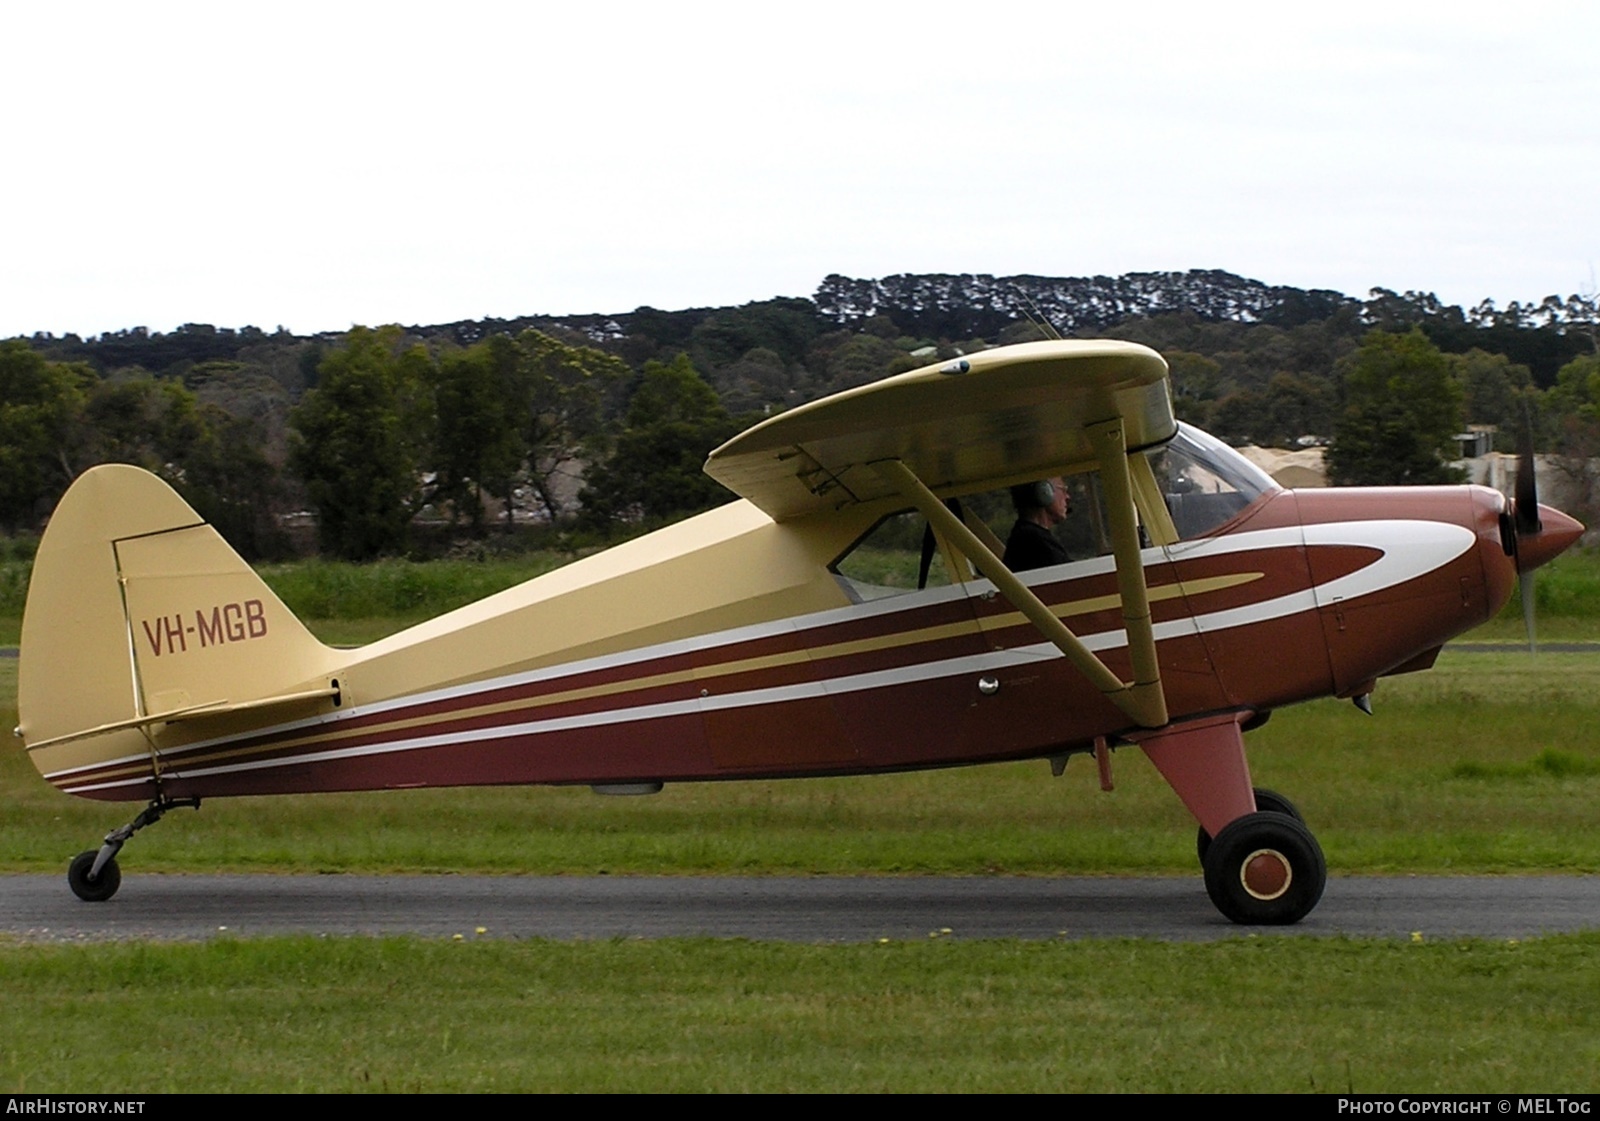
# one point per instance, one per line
(39, 403)
(359, 439)
(1398, 413)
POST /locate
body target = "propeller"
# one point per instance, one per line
(1535, 534)
(1532, 534)
(1525, 518)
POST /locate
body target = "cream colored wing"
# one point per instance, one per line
(1005, 415)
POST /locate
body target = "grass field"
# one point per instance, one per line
(1489, 763)
(1319, 1015)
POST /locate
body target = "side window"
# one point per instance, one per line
(888, 560)
(1085, 532)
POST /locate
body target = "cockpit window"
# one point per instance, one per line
(1205, 482)
(888, 560)
(898, 555)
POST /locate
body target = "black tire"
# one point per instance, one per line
(1267, 801)
(1265, 869)
(99, 889)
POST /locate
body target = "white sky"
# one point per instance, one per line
(322, 164)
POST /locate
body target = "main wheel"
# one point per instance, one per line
(99, 889)
(1266, 800)
(1265, 869)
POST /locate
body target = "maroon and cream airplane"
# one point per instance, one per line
(791, 633)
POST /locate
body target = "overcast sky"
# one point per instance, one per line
(319, 165)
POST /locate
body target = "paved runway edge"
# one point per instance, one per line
(819, 909)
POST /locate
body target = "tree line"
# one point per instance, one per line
(599, 424)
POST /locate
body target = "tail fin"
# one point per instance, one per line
(137, 608)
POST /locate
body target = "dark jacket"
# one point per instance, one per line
(1031, 545)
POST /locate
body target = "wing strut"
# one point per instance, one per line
(1143, 699)
(1111, 448)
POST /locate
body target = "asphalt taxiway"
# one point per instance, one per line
(815, 909)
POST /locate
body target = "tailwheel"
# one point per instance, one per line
(89, 885)
(94, 876)
(1266, 800)
(1265, 869)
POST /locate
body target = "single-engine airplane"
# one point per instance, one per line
(772, 637)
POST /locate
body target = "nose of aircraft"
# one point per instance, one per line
(1555, 534)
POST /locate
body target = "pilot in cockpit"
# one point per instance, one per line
(1041, 506)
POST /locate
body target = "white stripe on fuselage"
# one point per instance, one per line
(1409, 549)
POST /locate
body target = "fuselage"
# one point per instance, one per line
(729, 647)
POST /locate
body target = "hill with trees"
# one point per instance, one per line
(597, 423)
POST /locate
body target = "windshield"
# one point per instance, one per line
(1204, 481)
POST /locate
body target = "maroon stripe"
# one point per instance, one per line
(378, 728)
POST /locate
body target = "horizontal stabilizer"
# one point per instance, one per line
(178, 715)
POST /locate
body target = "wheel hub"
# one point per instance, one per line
(1266, 874)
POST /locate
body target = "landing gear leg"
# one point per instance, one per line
(93, 875)
(1263, 866)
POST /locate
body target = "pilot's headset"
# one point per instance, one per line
(1033, 496)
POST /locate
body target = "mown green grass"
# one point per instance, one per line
(1488, 763)
(1567, 587)
(1508, 630)
(1251, 1014)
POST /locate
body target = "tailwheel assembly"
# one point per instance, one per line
(94, 875)
(1265, 868)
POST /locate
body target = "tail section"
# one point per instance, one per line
(139, 618)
